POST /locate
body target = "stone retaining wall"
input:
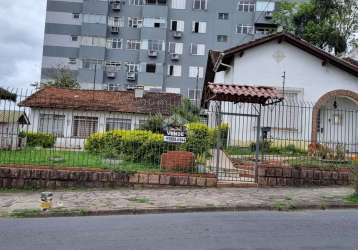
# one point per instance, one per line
(271, 176)
(21, 177)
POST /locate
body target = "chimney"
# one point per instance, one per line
(139, 91)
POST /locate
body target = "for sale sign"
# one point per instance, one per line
(175, 135)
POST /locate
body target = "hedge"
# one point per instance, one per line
(39, 139)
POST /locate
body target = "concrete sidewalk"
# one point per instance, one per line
(122, 201)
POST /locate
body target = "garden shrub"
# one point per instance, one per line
(198, 139)
(39, 139)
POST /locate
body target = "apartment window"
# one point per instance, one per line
(93, 41)
(74, 38)
(150, 68)
(175, 48)
(194, 94)
(244, 29)
(195, 71)
(174, 70)
(133, 44)
(135, 22)
(197, 49)
(151, 1)
(136, 2)
(114, 43)
(90, 18)
(246, 6)
(92, 63)
(264, 31)
(265, 6)
(199, 27)
(52, 124)
(200, 4)
(113, 66)
(132, 67)
(118, 123)
(116, 21)
(84, 126)
(76, 15)
(179, 4)
(72, 60)
(222, 38)
(177, 25)
(154, 23)
(223, 16)
(156, 45)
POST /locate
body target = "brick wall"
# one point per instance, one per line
(21, 177)
(177, 160)
(269, 176)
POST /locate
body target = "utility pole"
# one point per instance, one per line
(95, 75)
(283, 83)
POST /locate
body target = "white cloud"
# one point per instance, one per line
(21, 38)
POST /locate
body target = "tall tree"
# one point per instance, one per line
(328, 24)
(63, 79)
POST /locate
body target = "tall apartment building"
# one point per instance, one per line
(161, 44)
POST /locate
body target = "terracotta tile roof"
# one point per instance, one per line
(101, 100)
(242, 93)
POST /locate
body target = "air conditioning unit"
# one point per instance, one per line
(174, 57)
(268, 14)
(111, 74)
(131, 76)
(152, 53)
(177, 34)
(114, 29)
(116, 5)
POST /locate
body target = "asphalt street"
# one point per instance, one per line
(225, 231)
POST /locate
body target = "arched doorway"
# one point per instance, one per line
(334, 118)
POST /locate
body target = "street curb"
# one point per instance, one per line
(168, 210)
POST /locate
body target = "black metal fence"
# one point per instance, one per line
(227, 140)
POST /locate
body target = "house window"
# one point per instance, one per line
(74, 38)
(113, 66)
(200, 4)
(84, 126)
(177, 25)
(154, 22)
(135, 22)
(178, 4)
(223, 16)
(264, 30)
(116, 21)
(114, 43)
(175, 48)
(174, 70)
(93, 41)
(156, 45)
(150, 68)
(133, 44)
(197, 49)
(194, 94)
(136, 2)
(72, 60)
(195, 72)
(199, 27)
(132, 67)
(118, 123)
(221, 38)
(52, 124)
(246, 6)
(245, 29)
(75, 15)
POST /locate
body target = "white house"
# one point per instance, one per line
(73, 114)
(320, 90)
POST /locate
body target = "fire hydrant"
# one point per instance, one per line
(46, 201)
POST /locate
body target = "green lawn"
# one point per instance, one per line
(352, 198)
(76, 159)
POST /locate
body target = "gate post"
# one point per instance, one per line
(218, 139)
(257, 153)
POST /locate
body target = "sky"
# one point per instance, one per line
(22, 25)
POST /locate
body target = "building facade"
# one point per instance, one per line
(161, 44)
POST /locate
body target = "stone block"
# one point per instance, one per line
(307, 173)
(45, 174)
(279, 172)
(192, 181)
(211, 182)
(153, 179)
(177, 160)
(134, 178)
(5, 172)
(164, 179)
(287, 172)
(289, 182)
(296, 173)
(281, 181)
(262, 181)
(326, 175)
(7, 183)
(35, 174)
(271, 172)
(15, 172)
(143, 179)
(317, 175)
(272, 181)
(201, 182)
(20, 183)
(26, 173)
(262, 171)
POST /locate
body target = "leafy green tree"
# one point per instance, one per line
(155, 123)
(63, 79)
(328, 24)
(188, 111)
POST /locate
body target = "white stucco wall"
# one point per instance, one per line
(68, 141)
